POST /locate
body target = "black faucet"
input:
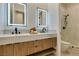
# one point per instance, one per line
(16, 30)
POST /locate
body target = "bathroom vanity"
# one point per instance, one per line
(26, 44)
(15, 39)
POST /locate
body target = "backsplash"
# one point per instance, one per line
(1, 29)
(10, 30)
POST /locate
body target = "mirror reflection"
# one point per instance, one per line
(42, 17)
(16, 14)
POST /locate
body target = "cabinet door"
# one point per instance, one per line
(18, 49)
(30, 47)
(47, 43)
(54, 44)
(25, 48)
(1, 50)
(50, 42)
(38, 45)
(8, 50)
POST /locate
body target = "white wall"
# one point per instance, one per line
(32, 10)
(1, 18)
(52, 16)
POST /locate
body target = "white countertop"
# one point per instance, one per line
(15, 38)
(24, 34)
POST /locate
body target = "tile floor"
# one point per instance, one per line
(71, 52)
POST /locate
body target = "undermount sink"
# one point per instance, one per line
(10, 35)
(23, 34)
(27, 34)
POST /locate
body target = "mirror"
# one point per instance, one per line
(17, 14)
(42, 17)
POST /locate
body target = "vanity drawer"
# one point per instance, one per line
(47, 43)
(38, 45)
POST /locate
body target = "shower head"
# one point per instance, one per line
(67, 15)
(65, 21)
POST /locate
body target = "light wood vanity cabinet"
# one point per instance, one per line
(27, 48)
(8, 50)
(18, 49)
(1, 50)
(30, 47)
(54, 42)
(47, 43)
(38, 45)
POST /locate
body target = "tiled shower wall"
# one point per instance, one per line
(71, 33)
